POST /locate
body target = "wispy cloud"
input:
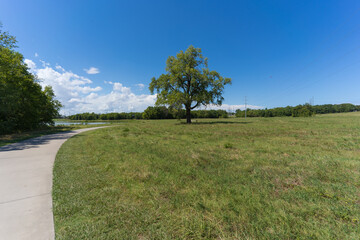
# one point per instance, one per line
(44, 64)
(58, 67)
(140, 86)
(36, 54)
(229, 107)
(92, 70)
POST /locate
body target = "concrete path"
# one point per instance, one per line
(25, 186)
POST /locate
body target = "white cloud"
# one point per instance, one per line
(92, 70)
(44, 64)
(36, 54)
(30, 63)
(58, 67)
(114, 102)
(120, 88)
(140, 85)
(78, 94)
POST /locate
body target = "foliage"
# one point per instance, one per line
(105, 116)
(23, 103)
(51, 106)
(281, 178)
(209, 114)
(157, 113)
(188, 82)
(336, 108)
(305, 110)
(299, 111)
(173, 113)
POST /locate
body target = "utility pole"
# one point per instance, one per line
(245, 106)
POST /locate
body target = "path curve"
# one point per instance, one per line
(26, 170)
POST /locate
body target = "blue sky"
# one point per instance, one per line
(277, 53)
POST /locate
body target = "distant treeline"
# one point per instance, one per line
(305, 110)
(106, 116)
(171, 113)
(162, 112)
(151, 113)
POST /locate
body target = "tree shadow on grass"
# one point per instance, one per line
(36, 142)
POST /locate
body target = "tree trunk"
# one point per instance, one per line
(188, 116)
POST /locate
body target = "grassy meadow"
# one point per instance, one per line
(259, 178)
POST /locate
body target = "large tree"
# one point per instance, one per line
(188, 82)
(23, 103)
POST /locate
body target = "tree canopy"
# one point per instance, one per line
(305, 110)
(23, 103)
(188, 82)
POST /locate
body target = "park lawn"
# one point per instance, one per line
(259, 178)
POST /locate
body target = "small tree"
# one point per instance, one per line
(51, 106)
(188, 82)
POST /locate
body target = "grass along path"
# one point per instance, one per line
(17, 137)
(266, 178)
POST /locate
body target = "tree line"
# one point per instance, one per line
(162, 112)
(24, 105)
(105, 116)
(305, 110)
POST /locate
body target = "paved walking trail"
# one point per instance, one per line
(25, 186)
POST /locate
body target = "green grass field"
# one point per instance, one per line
(263, 178)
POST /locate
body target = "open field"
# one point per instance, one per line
(263, 178)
